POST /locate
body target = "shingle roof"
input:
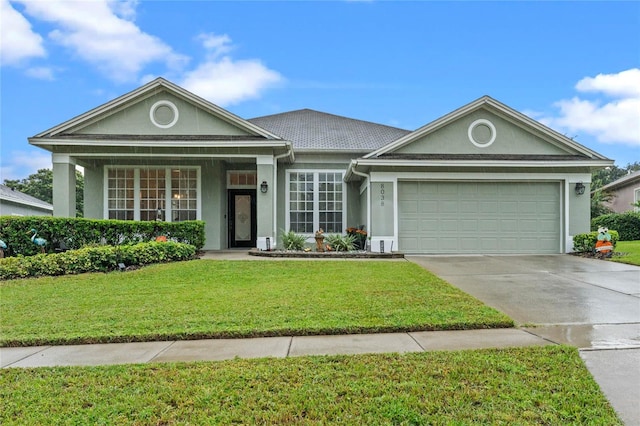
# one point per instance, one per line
(625, 180)
(14, 196)
(314, 130)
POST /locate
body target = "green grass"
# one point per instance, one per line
(209, 299)
(629, 252)
(540, 385)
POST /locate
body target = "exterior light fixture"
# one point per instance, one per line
(264, 187)
(579, 188)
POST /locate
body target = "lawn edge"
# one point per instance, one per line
(250, 334)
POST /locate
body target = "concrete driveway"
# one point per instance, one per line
(591, 304)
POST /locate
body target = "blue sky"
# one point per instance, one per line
(574, 66)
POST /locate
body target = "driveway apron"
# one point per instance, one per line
(588, 303)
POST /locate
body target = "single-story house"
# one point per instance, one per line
(16, 203)
(481, 179)
(625, 192)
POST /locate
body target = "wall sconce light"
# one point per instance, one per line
(264, 187)
(579, 188)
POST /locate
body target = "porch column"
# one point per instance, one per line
(64, 185)
(264, 200)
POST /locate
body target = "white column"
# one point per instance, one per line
(64, 185)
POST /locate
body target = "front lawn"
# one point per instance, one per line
(537, 385)
(209, 299)
(627, 252)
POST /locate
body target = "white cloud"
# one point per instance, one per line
(17, 41)
(623, 84)
(41, 73)
(215, 44)
(613, 117)
(101, 33)
(21, 164)
(225, 81)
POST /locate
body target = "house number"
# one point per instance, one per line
(382, 194)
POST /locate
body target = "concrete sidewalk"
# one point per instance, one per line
(279, 347)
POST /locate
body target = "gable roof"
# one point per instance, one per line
(503, 111)
(17, 197)
(311, 130)
(144, 92)
(623, 181)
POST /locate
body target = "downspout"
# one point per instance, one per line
(291, 156)
(354, 164)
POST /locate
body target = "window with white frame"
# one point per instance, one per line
(120, 194)
(636, 199)
(159, 193)
(315, 200)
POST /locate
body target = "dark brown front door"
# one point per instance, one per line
(242, 218)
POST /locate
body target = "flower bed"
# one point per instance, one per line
(326, 254)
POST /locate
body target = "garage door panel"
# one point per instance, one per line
(490, 207)
(469, 206)
(428, 206)
(448, 207)
(508, 225)
(508, 207)
(488, 225)
(479, 217)
(428, 225)
(529, 226)
(528, 207)
(469, 226)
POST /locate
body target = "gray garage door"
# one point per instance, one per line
(485, 217)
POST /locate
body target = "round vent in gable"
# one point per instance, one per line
(482, 133)
(163, 114)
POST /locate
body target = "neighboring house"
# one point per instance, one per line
(482, 179)
(625, 192)
(16, 203)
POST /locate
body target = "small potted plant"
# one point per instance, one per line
(319, 240)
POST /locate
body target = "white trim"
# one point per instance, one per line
(564, 180)
(563, 215)
(145, 92)
(266, 160)
(482, 163)
(26, 203)
(62, 158)
(477, 123)
(171, 106)
(248, 172)
(165, 143)
(316, 201)
(470, 176)
(136, 188)
(504, 112)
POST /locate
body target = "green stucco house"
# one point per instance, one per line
(482, 179)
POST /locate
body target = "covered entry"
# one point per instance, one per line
(479, 217)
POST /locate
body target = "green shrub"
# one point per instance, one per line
(76, 233)
(584, 243)
(94, 259)
(293, 241)
(339, 242)
(627, 224)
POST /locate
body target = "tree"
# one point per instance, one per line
(40, 185)
(604, 177)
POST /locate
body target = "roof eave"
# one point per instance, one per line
(148, 89)
(472, 106)
(479, 163)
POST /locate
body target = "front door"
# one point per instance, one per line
(242, 218)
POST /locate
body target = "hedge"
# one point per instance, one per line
(94, 259)
(76, 233)
(583, 243)
(627, 224)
